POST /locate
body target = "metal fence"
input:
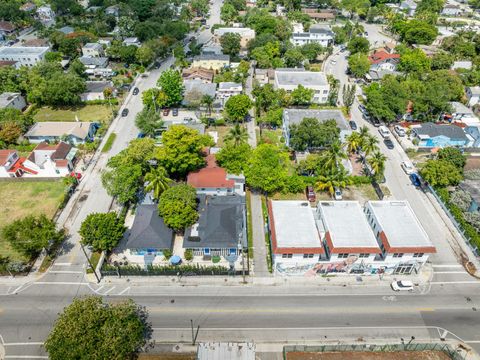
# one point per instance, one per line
(445, 348)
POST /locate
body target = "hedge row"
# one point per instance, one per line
(165, 270)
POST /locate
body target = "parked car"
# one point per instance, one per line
(415, 179)
(333, 62)
(175, 112)
(353, 124)
(145, 74)
(402, 285)
(140, 135)
(362, 109)
(376, 122)
(383, 130)
(124, 112)
(166, 112)
(400, 130)
(310, 193)
(407, 166)
(135, 91)
(388, 143)
(337, 195)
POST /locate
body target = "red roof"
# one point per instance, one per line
(19, 166)
(6, 26)
(7, 63)
(4, 154)
(404, 249)
(61, 163)
(211, 176)
(381, 56)
(296, 250)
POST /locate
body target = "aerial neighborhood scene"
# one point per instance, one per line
(240, 179)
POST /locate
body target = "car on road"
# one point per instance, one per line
(400, 130)
(383, 130)
(140, 135)
(362, 109)
(136, 91)
(175, 112)
(166, 112)
(337, 194)
(310, 193)
(415, 179)
(333, 62)
(407, 166)
(145, 74)
(124, 112)
(402, 285)
(388, 143)
(353, 124)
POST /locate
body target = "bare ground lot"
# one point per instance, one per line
(358, 355)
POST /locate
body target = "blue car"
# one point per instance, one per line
(140, 135)
(415, 179)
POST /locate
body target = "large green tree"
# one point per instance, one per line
(102, 231)
(237, 107)
(171, 84)
(178, 207)
(359, 64)
(230, 43)
(148, 121)
(91, 328)
(234, 158)
(454, 156)
(158, 181)
(311, 133)
(358, 45)
(302, 95)
(440, 173)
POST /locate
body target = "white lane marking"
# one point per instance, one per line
(65, 272)
(100, 288)
(454, 282)
(23, 344)
(58, 283)
(25, 357)
(451, 272)
(444, 334)
(447, 266)
(124, 291)
(62, 264)
(18, 288)
(106, 292)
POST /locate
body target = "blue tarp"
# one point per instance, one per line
(175, 260)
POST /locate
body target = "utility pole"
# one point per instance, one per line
(90, 263)
(194, 335)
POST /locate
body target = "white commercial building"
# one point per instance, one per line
(290, 79)
(23, 56)
(320, 34)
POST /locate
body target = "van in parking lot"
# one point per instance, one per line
(383, 130)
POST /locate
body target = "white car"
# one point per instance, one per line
(337, 195)
(383, 130)
(402, 285)
(333, 62)
(407, 166)
(400, 130)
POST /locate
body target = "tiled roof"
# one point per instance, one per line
(381, 56)
(4, 154)
(6, 26)
(211, 176)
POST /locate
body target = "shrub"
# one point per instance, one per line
(359, 180)
(167, 253)
(461, 199)
(294, 184)
(220, 122)
(473, 218)
(188, 254)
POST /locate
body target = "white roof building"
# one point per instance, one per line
(318, 33)
(23, 55)
(290, 79)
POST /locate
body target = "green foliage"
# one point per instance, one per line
(359, 64)
(414, 60)
(154, 98)
(461, 199)
(330, 181)
(167, 253)
(182, 150)
(442, 61)
(293, 57)
(237, 135)
(294, 184)
(356, 6)
(109, 143)
(453, 156)
(158, 181)
(237, 107)
(101, 330)
(102, 231)
(267, 168)
(302, 96)
(178, 207)
(234, 158)
(311, 133)
(188, 269)
(31, 234)
(312, 50)
(272, 118)
(148, 121)
(188, 254)
(440, 173)
(230, 43)
(358, 45)
(171, 84)
(416, 31)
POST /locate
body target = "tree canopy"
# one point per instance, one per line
(178, 206)
(237, 107)
(102, 231)
(359, 64)
(171, 84)
(230, 43)
(441, 173)
(234, 158)
(311, 133)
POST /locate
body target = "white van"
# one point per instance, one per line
(383, 130)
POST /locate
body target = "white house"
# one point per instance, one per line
(383, 61)
(409, 6)
(46, 15)
(290, 79)
(228, 89)
(74, 132)
(11, 100)
(473, 95)
(96, 90)
(246, 34)
(23, 56)
(318, 33)
(132, 41)
(113, 10)
(463, 114)
(462, 64)
(93, 50)
(451, 9)
(404, 243)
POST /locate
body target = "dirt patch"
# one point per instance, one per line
(472, 163)
(358, 355)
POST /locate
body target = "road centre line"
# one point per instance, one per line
(447, 266)
(451, 272)
(23, 344)
(25, 357)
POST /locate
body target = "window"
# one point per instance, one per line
(418, 255)
(398, 255)
(307, 256)
(342, 256)
(325, 91)
(362, 256)
(287, 256)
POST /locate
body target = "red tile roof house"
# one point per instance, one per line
(382, 60)
(45, 160)
(214, 180)
(6, 27)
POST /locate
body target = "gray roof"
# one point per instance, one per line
(23, 50)
(198, 85)
(212, 57)
(59, 128)
(321, 28)
(475, 90)
(97, 86)
(379, 74)
(221, 223)
(472, 187)
(295, 116)
(97, 61)
(434, 130)
(227, 85)
(300, 77)
(7, 97)
(460, 108)
(66, 30)
(149, 230)
(93, 46)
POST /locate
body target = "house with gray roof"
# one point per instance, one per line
(295, 116)
(290, 79)
(221, 227)
(473, 95)
(432, 135)
(94, 62)
(66, 30)
(195, 90)
(96, 90)
(74, 132)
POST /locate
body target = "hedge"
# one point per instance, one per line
(186, 269)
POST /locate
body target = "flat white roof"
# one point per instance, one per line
(295, 224)
(399, 223)
(23, 50)
(347, 224)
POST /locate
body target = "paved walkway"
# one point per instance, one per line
(260, 251)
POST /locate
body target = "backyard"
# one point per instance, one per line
(92, 113)
(24, 198)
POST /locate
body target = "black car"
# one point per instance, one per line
(353, 124)
(136, 91)
(388, 143)
(124, 112)
(175, 112)
(376, 122)
(362, 108)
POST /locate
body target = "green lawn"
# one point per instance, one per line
(25, 198)
(109, 142)
(92, 113)
(222, 132)
(270, 137)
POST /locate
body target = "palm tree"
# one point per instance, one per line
(377, 163)
(238, 135)
(207, 100)
(331, 158)
(329, 182)
(363, 132)
(369, 144)
(158, 181)
(354, 142)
